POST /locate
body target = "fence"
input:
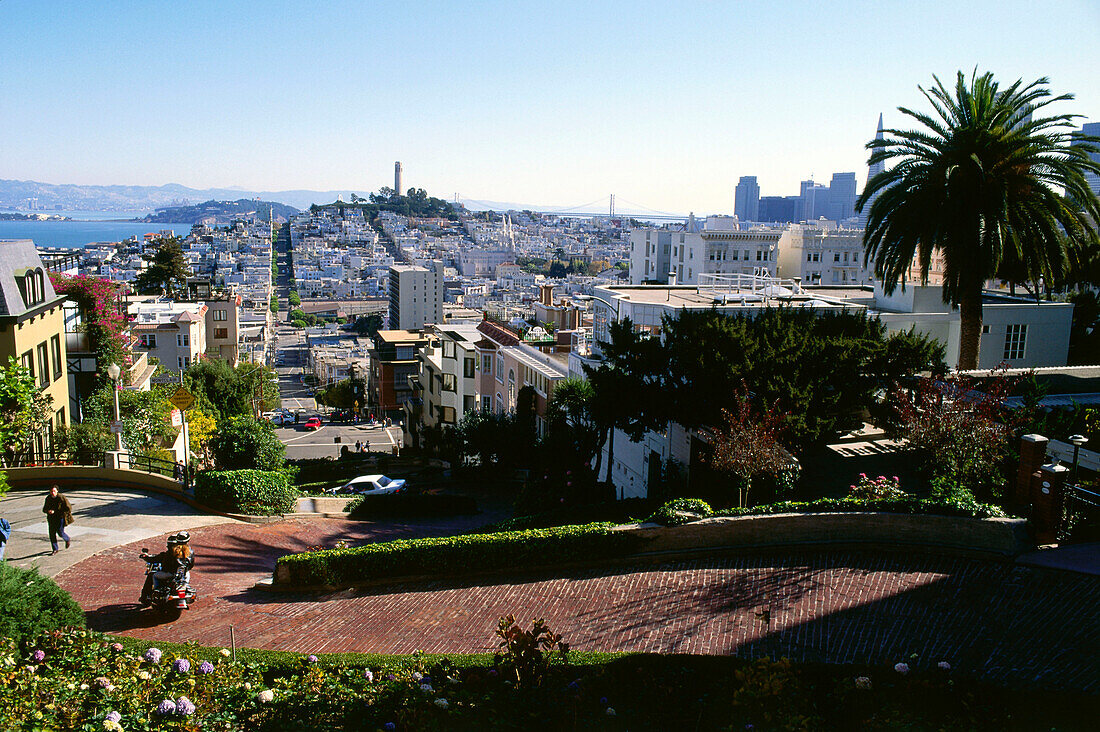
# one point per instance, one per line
(126, 461)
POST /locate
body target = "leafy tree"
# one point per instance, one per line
(167, 270)
(244, 443)
(224, 391)
(368, 325)
(294, 299)
(990, 184)
(571, 417)
(24, 408)
(748, 445)
(146, 417)
(343, 394)
(200, 428)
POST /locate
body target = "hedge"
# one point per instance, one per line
(457, 554)
(669, 516)
(252, 492)
(31, 604)
(427, 504)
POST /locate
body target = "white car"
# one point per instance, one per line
(374, 485)
(278, 417)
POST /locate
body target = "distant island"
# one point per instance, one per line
(219, 212)
(32, 217)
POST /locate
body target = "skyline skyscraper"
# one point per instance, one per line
(746, 199)
(842, 197)
(1092, 129)
(872, 171)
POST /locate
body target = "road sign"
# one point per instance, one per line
(182, 399)
(165, 379)
(116, 427)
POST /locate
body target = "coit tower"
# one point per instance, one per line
(397, 179)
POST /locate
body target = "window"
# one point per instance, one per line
(486, 404)
(448, 349)
(149, 340)
(511, 386)
(183, 339)
(467, 404)
(405, 353)
(448, 382)
(836, 256)
(487, 364)
(448, 415)
(1015, 341)
(500, 369)
(43, 365)
(61, 417)
(220, 315)
(221, 332)
(468, 368)
(28, 361)
(55, 351)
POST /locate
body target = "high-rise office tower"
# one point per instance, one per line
(813, 200)
(872, 171)
(1092, 129)
(746, 199)
(842, 196)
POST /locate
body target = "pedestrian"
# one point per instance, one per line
(5, 534)
(179, 472)
(359, 446)
(59, 514)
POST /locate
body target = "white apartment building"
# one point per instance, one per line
(477, 262)
(721, 247)
(416, 296)
(173, 333)
(821, 253)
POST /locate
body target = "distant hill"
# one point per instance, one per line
(14, 194)
(220, 212)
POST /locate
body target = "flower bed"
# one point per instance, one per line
(83, 680)
(671, 513)
(455, 554)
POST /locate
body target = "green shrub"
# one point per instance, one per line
(680, 511)
(429, 504)
(625, 511)
(31, 604)
(457, 554)
(252, 492)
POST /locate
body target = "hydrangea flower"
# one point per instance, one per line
(39, 656)
(943, 666)
(113, 717)
(152, 655)
(225, 652)
(144, 675)
(391, 677)
(863, 683)
(417, 676)
(426, 679)
(166, 707)
(311, 658)
(368, 675)
(389, 726)
(184, 706)
(111, 726)
(427, 687)
(902, 668)
(266, 696)
(181, 666)
(610, 712)
(442, 703)
(117, 647)
(103, 682)
(206, 667)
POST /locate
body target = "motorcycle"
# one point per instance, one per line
(169, 596)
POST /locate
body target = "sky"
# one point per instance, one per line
(550, 104)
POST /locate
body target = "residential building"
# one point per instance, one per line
(172, 333)
(32, 330)
(392, 361)
(445, 389)
(416, 296)
(746, 199)
(223, 330)
(821, 253)
(723, 245)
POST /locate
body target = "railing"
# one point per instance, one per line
(88, 459)
(126, 461)
(168, 468)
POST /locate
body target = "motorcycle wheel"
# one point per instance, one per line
(171, 612)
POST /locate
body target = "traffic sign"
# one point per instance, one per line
(182, 399)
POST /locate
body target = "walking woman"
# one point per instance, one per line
(59, 514)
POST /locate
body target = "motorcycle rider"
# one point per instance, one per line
(178, 554)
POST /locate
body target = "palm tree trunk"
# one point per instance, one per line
(610, 452)
(970, 327)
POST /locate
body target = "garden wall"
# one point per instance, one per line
(1001, 536)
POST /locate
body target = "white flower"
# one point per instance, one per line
(247, 686)
(943, 666)
(863, 683)
(902, 668)
(83, 687)
(417, 676)
(112, 726)
(442, 703)
(225, 652)
(427, 687)
(144, 675)
(266, 696)
(610, 712)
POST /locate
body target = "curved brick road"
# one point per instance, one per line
(1007, 623)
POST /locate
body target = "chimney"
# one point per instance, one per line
(672, 278)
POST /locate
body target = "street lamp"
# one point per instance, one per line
(1077, 441)
(613, 305)
(114, 371)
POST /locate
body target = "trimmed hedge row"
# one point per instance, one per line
(252, 492)
(456, 554)
(411, 504)
(668, 514)
(31, 604)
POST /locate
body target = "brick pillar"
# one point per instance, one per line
(1047, 495)
(1033, 453)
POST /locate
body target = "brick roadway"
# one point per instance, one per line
(1009, 624)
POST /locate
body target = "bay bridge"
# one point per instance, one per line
(603, 207)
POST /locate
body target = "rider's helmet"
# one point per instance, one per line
(173, 540)
(182, 537)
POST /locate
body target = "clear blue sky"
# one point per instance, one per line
(664, 104)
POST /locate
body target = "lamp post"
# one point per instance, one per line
(1077, 441)
(114, 371)
(614, 306)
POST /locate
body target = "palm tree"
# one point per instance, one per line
(985, 182)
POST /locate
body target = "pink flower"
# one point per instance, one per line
(901, 668)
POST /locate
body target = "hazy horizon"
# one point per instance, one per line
(664, 105)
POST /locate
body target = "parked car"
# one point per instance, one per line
(313, 423)
(374, 485)
(277, 418)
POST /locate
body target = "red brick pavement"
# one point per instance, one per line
(1006, 623)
